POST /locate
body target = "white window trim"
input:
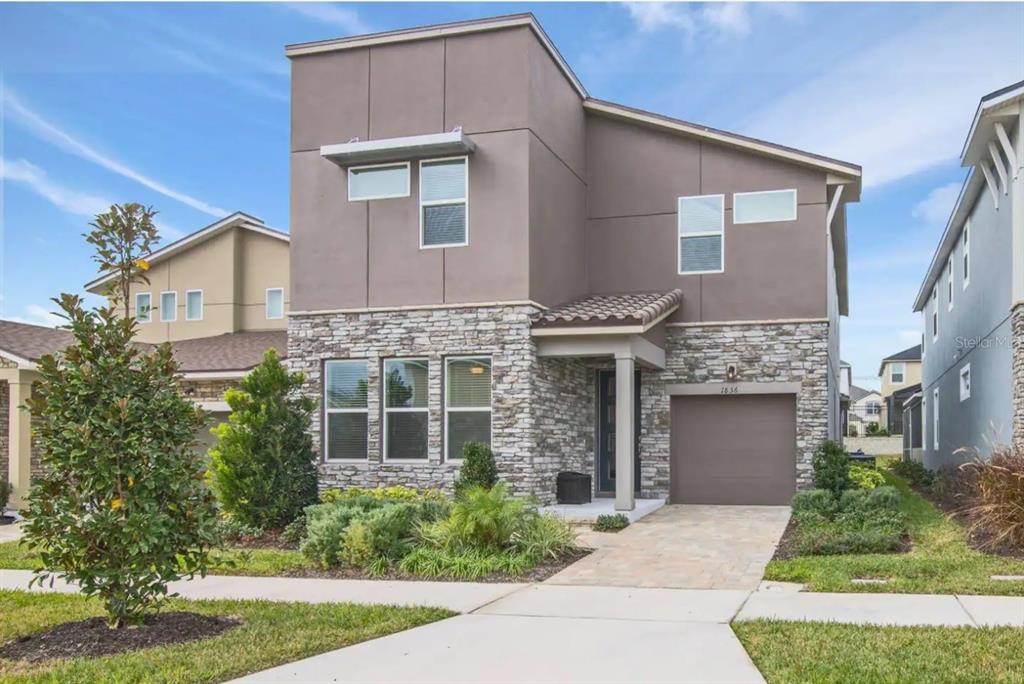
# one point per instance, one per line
(266, 303)
(680, 235)
(892, 373)
(378, 166)
(935, 418)
(328, 411)
(761, 192)
(966, 369)
(386, 411)
(455, 409)
(149, 313)
(201, 305)
(174, 309)
(950, 283)
(437, 203)
(935, 314)
(965, 242)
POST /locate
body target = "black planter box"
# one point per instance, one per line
(573, 488)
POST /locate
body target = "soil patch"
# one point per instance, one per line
(92, 638)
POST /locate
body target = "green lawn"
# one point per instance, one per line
(827, 652)
(940, 561)
(271, 634)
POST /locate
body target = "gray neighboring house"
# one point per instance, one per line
(483, 252)
(972, 297)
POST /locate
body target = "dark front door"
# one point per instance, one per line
(606, 431)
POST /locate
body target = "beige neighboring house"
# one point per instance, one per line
(897, 372)
(226, 288)
(865, 408)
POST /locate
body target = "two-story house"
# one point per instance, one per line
(483, 252)
(972, 296)
(900, 376)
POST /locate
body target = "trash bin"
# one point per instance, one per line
(573, 488)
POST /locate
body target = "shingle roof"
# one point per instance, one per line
(227, 352)
(858, 393)
(909, 354)
(635, 308)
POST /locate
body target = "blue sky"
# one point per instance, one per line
(185, 107)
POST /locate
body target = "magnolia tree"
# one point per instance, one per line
(121, 507)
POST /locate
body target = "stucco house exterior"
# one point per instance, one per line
(219, 296)
(897, 373)
(482, 251)
(972, 297)
(865, 408)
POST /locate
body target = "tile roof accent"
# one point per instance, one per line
(228, 352)
(635, 308)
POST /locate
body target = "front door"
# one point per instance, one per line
(606, 432)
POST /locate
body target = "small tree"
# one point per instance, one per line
(831, 468)
(121, 507)
(123, 237)
(262, 467)
(478, 468)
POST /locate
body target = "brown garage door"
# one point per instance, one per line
(733, 450)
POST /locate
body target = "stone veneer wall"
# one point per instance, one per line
(1017, 331)
(770, 352)
(207, 390)
(523, 390)
(564, 401)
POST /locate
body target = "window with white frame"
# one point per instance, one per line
(874, 408)
(896, 372)
(379, 181)
(935, 418)
(345, 410)
(764, 207)
(935, 314)
(168, 306)
(965, 382)
(965, 240)
(193, 305)
(275, 302)
(143, 307)
(701, 234)
(467, 403)
(949, 283)
(444, 203)
(405, 409)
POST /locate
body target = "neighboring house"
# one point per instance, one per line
(216, 337)
(897, 372)
(865, 408)
(972, 296)
(483, 252)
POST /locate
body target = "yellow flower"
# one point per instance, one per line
(142, 264)
(115, 504)
(131, 481)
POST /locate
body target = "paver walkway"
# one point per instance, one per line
(684, 547)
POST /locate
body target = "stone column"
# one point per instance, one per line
(625, 430)
(19, 437)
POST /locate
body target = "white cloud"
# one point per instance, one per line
(937, 206)
(720, 18)
(199, 64)
(51, 133)
(38, 315)
(728, 17)
(903, 104)
(342, 17)
(35, 179)
(657, 16)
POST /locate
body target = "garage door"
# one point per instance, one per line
(733, 450)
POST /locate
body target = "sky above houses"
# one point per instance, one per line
(185, 107)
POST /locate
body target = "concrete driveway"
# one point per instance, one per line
(684, 547)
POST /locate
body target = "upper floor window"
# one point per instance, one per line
(896, 371)
(275, 302)
(345, 410)
(380, 181)
(444, 203)
(143, 307)
(965, 382)
(405, 409)
(949, 283)
(467, 403)
(764, 207)
(935, 314)
(168, 306)
(874, 408)
(701, 234)
(193, 305)
(965, 239)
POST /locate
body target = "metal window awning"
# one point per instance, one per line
(398, 149)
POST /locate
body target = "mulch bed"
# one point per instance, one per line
(270, 539)
(92, 638)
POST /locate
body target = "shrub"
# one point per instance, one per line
(865, 477)
(261, 467)
(478, 468)
(914, 473)
(996, 493)
(831, 468)
(394, 494)
(464, 564)
(819, 502)
(545, 537)
(232, 529)
(884, 498)
(609, 522)
(120, 507)
(485, 518)
(6, 488)
(832, 538)
(295, 531)
(861, 521)
(325, 526)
